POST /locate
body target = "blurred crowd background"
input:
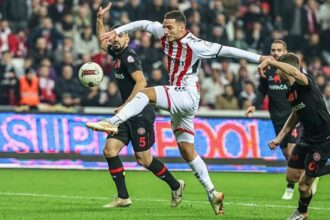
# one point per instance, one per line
(44, 42)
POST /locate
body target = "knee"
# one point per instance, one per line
(304, 188)
(108, 152)
(292, 178)
(143, 161)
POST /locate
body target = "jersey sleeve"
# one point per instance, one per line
(202, 48)
(311, 82)
(154, 28)
(132, 62)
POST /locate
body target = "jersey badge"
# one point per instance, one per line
(141, 131)
(116, 64)
(316, 156)
(130, 59)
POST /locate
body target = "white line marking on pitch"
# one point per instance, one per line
(154, 200)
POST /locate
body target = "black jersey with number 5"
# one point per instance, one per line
(125, 63)
(307, 102)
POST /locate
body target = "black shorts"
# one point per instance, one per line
(289, 139)
(310, 157)
(139, 130)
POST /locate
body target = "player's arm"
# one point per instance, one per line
(100, 27)
(154, 28)
(289, 125)
(286, 68)
(205, 49)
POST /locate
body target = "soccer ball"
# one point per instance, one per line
(90, 74)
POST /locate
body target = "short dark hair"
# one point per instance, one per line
(177, 15)
(291, 59)
(280, 42)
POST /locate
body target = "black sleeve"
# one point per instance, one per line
(311, 82)
(132, 62)
(261, 92)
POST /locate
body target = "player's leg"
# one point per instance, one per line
(116, 169)
(132, 108)
(183, 128)
(143, 137)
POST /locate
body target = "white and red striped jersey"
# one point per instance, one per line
(185, 54)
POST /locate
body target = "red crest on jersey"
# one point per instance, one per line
(116, 64)
(292, 96)
(276, 79)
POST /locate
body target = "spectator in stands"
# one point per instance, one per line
(46, 86)
(324, 15)
(156, 78)
(67, 84)
(29, 89)
(321, 81)
(227, 101)
(41, 51)
(57, 11)
(4, 35)
(239, 40)
(313, 48)
(82, 17)
(134, 9)
(295, 24)
(67, 26)
(9, 84)
(86, 42)
(212, 87)
(16, 11)
(111, 97)
(39, 12)
(247, 96)
(325, 36)
(46, 30)
(92, 98)
(155, 11)
(17, 44)
(312, 9)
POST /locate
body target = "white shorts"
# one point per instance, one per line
(182, 102)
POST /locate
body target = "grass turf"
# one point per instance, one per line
(67, 194)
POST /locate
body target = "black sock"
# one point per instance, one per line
(160, 170)
(117, 172)
(290, 185)
(304, 203)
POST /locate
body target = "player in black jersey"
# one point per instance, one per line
(313, 148)
(279, 107)
(139, 129)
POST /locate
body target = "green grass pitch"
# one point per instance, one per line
(57, 194)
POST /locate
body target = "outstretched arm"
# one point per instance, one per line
(285, 68)
(155, 28)
(100, 27)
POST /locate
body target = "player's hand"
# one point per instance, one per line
(249, 111)
(274, 143)
(102, 11)
(262, 67)
(108, 36)
(263, 58)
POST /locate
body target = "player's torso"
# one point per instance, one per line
(311, 110)
(124, 79)
(279, 106)
(183, 63)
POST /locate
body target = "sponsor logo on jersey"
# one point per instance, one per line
(177, 62)
(130, 59)
(119, 76)
(278, 87)
(299, 106)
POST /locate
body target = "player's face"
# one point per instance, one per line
(277, 50)
(173, 30)
(120, 42)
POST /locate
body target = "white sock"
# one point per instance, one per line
(200, 171)
(132, 108)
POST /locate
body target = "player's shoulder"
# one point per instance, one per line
(131, 56)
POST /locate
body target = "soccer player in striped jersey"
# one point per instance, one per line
(181, 98)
